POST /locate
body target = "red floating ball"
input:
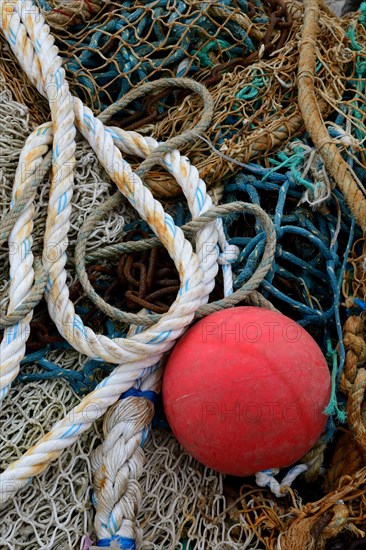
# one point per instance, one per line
(245, 389)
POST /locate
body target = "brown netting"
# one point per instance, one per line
(127, 44)
(256, 112)
(318, 522)
(256, 107)
(245, 54)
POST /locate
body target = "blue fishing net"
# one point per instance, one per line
(126, 43)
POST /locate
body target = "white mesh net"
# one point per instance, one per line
(55, 509)
(184, 506)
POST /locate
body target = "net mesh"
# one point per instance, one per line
(256, 108)
(195, 510)
(56, 508)
(185, 505)
(245, 53)
(127, 43)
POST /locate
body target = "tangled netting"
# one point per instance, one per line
(257, 107)
(316, 248)
(125, 44)
(245, 53)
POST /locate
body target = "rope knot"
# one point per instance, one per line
(280, 489)
(229, 255)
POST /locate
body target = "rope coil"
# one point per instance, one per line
(142, 351)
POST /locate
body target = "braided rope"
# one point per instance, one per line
(333, 161)
(65, 14)
(142, 351)
(23, 296)
(117, 463)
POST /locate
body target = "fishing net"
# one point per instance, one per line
(56, 509)
(186, 505)
(244, 53)
(124, 45)
(256, 107)
(18, 85)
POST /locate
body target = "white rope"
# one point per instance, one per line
(115, 493)
(118, 462)
(12, 347)
(31, 41)
(280, 489)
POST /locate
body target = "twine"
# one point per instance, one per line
(142, 351)
(308, 103)
(61, 14)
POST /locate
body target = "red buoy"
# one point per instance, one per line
(245, 389)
